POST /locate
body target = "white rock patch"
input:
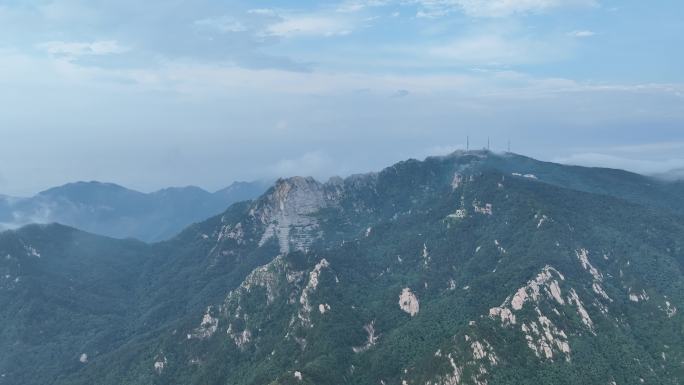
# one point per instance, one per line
(160, 364)
(31, 251)
(371, 341)
(207, 327)
(528, 176)
(485, 210)
(267, 276)
(499, 247)
(408, 302)
(583, 256)
(542, 336)
(232, 232)
(531, 290)
(479, 352)
(598, 289)
(453, 378)
(505, 314)
(323, 308)
(456, 182)
(425, 255)
(638, 297)
(574, 298)
(286, 212)
(670, 310)
(542, 219)
(240, 339)
(314, 276)
(458, 214)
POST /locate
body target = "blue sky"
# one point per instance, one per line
(156, 93)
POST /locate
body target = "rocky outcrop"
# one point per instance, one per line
(287, 212)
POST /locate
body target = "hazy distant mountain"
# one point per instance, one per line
(676, 174)
(473, 268)
(115, 211)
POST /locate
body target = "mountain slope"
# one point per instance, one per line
(62, 293)
(112, 210)
(380, 307)
(446, 271)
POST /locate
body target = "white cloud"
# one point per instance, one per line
(582, 33)
(310, 25)
(199, 80)
(222, 24)
(653, 148)
(262, 11)
(401, 94)
(642, 166)
(358, 5)
(493, 49)
(495, 8)
(315, 163)
(439, 150)
(432, 12)
(73, 49)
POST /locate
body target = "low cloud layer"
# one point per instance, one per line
(663, 159)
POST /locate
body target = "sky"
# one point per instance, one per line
(150, 94)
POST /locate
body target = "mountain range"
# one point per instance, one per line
(472, 268)
(115, 211)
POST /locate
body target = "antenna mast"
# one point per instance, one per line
(467, 143)
(487, 143)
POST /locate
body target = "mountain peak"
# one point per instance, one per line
(288, 206)
(83, 187)
(113, 210)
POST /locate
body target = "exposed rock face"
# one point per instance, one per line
(486, 209)
(583, 256)
(304, 301)
(470, 363)
(268, 277)
(670, 310)
(287, 212)
(531, 291)
(372, 338)
(235, 232)
(542, 335)
(456, 182)
(274, 278)
(160, 364)
(208, 326)
(408, 302)
(637, 297)
(323, 308)
(242, 338)
(586, 319)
